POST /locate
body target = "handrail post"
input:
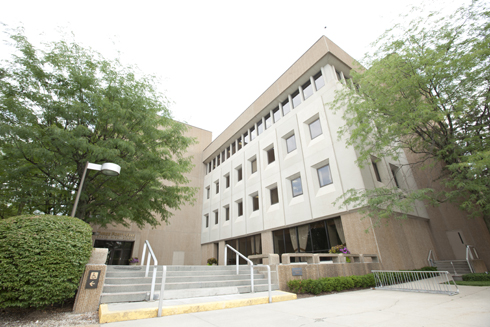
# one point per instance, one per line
(143, 256)
(252, 278)
(226, 259)
(153, 281)
(237, 261)
(162, 289)
(147, 266)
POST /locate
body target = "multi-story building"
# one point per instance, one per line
(270, 180)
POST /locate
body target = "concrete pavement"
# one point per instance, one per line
(361, 308)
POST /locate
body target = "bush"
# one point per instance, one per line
(42, 259)
(476, 277)
(329, 284)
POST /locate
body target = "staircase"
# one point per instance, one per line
(458, 267)
(129, 284)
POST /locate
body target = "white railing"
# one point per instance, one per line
(471, 254)
(415, 281)
(431, 259)
(151, 255)
(251, 269)
(162, 289)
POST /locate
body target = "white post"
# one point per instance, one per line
(162, 289)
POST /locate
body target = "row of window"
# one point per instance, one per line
(324, 178)
(293, 100)
(394, 171)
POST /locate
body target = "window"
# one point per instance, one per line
(240, 208)
(223, 156)
(339, 77)
(255, 202)
(227, 213)
(233, 148)
(268, 121)
(297, 188)
(274, 196)
(394, 170)
(254, 165)
(239, 174)
(291, 143)
(239, 142)
(209, 167)
(260, 127)
(206, 218)
(376, 171)
(227, 181)
(214, 163)
(218, 160)
(228, 152)
(207, 192)
(245, 138)
(319, 81)
(277, 115)
(217, 187)
(324, 176)
(252, 133)
(286, 107)
(315, 129)
(307, 90)
(270, 156)
(296, 99)
(216, 217)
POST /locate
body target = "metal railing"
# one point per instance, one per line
(431, 259)
(151, 255)
(162, 289)
(415, 281)
(471, 252)
(250, 263)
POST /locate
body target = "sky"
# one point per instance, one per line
(213, 58)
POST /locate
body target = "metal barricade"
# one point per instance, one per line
(415, 281)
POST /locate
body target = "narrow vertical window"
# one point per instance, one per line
(240, 208)
(206, 218)
(260, 127)
(217, 187)
(207, 192)
(227, 181)
(218, 160)
(254, 165)
(268, 121)
(245, 138)
(315, 129)
(270, 156)
(223, 156)
(394, 170)
(296, 99)
(216, 217)
(227, 213)
(277, 115)
(255, 202)
(274, 196)
(297, 187)
(252, 133)
(324, 176)
(319, 81)
(233, 148)
(307, 90)
(376, 171)
(291, 143)
(239, 174)
(286, 107)
(239, 142)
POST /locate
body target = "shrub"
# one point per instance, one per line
(476, 277)
(212, 261)
(42, 259)
(329, 284)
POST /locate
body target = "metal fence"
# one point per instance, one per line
(440, 282)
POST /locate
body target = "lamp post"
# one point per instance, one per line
(109, 169)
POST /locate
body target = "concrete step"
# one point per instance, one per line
(179, 279)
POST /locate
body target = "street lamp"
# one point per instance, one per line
(109, 169)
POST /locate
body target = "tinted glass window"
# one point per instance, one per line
(324, 175)
(297, 188)
(307, 90)
(274, 196)
(291, 143)
(296, 99)
(277, 115)
(315, 129)
(286, 107)
(319, 81)
(268, 121)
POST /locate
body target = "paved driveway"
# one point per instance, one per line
(362, 308)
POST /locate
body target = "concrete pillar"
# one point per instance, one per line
(267, 243)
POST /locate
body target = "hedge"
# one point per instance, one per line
(42, 259)
(476, 277)
(329, 284)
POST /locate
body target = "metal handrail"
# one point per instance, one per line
(431, 259)
(237, 267)
(151, 255)
(162, 289)
(469, 253)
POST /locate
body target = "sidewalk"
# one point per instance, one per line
(361, 308)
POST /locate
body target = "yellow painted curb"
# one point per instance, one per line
(106, 316)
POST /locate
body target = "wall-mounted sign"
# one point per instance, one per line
(93, 279)
(297, 271)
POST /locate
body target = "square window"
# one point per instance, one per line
(297, 187)
(208, 191)
(286, 107)
(277, 115)
(255, 202)
(307, 90)
(324, 175)
(239, 174)
(240, 208)
(227, 181)
(296, 99)
(274, 196)
(319, 81)
(216, 217)
(206, 218)
(254, 165)
(227, 213)
(268, 121)
(217, 187)
(291, 143)
(270, 156)
(376, 171)
(260, 127)
(315, 129)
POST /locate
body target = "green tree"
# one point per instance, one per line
(426, 92)
(64, 105)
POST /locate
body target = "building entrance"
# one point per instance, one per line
(119, 251)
